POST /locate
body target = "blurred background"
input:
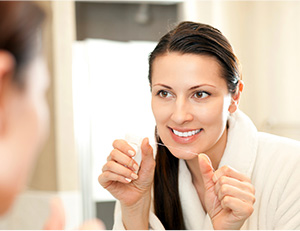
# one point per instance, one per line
(97, 56)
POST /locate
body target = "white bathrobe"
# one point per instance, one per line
(272, 163)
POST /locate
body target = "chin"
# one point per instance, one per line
(183, 153)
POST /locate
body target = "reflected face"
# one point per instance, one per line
(25, 129)
(190, 102)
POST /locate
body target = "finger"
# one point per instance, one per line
(119, 169)
(207, 170)
(123, 159)
(124, 147)
(107, 178)
(239, 208)
(56, 219)
(225, 180)
(230, 172)
(229, 190)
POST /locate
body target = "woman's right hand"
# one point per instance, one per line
(119, 177)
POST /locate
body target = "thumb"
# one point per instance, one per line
(56, 220)
(206, 169)
(147, 150)
(148, 163)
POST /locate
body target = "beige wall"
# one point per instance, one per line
(265, 36)
(56, 169)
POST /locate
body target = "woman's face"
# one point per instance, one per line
(24, 115)
(190, 102)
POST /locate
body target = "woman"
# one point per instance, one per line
(23, 108)
(245, 179)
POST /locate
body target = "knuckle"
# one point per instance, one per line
(117, 142)
(226, 169)
(253, 199)
(223, 180)
(100, 178)
(131, 162)
(249, 210)
(224, 189)
(108, 165)
(226, 200)
(152, 164)
(252, 188)
(113, 153)
(103, 175)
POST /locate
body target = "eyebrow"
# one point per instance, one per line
(192, 88)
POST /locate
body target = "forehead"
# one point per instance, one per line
(175, 67)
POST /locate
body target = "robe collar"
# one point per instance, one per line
(240, 154)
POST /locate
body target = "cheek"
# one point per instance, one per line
(158, 111)
(161, 114)
(214, 114)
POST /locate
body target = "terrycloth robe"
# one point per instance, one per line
(272, 163)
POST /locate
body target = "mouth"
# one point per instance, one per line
(185, 136)
(186, 133)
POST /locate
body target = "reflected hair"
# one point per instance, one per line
(20, 22)
(186, 38)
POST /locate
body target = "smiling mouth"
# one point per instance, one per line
(186, 134)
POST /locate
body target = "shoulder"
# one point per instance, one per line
(278, 144)
(278, 157)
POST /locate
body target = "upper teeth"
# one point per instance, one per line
(186, 134)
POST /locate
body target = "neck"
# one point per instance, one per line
(215, 154)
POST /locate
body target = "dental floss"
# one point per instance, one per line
(181, 149)
(136, 142)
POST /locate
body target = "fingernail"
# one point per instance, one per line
(130, 152)
(127, 179)
(135, 167)
(134, 176)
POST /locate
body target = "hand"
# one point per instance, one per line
(118, 174)
(229, 195)
(56, 220)
(132, 190)
(94, 224)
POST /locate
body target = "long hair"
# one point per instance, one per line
(186, 38)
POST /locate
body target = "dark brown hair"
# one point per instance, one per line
(19, 25)
(186, 38)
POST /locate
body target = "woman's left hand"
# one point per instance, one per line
(229, 195)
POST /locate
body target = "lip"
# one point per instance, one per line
(184, 140)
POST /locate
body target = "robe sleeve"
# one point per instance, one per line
(287, 215)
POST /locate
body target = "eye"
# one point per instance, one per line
(201, 94)
(164, 94)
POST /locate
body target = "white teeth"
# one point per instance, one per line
(186, 134)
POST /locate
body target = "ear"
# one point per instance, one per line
(7, 66)
(235, 99)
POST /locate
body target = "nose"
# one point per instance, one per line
(181, 111)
